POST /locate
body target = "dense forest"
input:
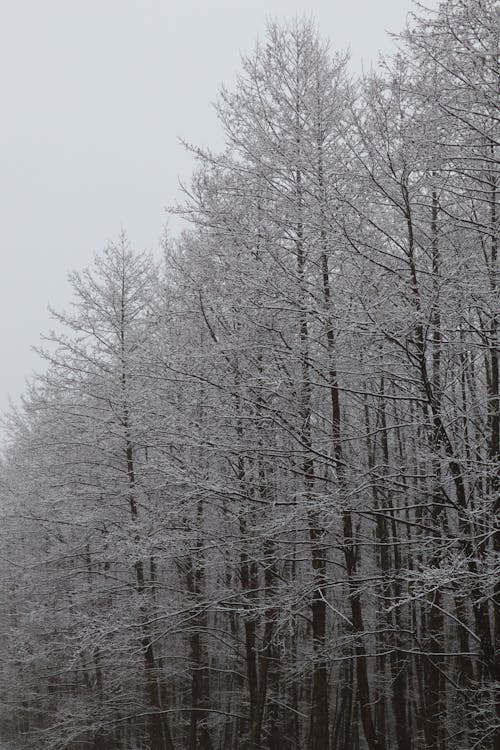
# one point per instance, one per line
(251, 501)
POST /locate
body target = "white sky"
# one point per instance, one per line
(94, 95)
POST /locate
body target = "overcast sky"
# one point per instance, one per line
(94, 96)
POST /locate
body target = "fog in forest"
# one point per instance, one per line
(250, 501)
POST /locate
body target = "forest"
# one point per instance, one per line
(252, 501)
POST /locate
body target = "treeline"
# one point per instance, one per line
(251, 503)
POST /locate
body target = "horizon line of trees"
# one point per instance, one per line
(253, 501)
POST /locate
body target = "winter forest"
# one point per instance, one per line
(250, 504)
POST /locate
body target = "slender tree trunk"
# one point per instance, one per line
(349, 544)
(159, 730)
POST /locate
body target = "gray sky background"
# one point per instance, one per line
(94, 95)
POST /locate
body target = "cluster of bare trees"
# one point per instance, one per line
(252, 501)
